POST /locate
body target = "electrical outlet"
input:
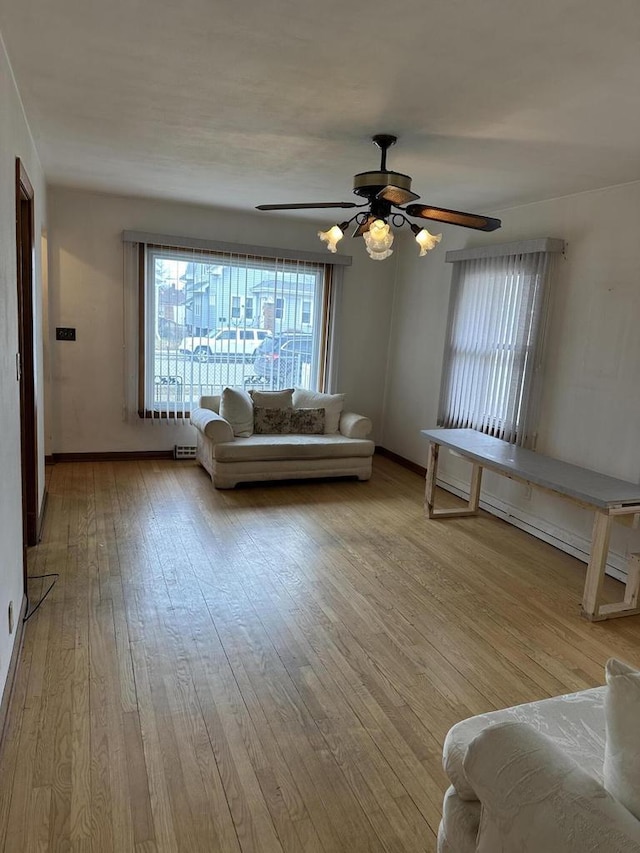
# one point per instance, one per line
(65, 333)
(11, 617)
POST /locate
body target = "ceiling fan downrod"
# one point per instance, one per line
(384, 141)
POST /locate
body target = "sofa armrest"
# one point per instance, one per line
(354, 426)
(212, 425)
(535, 798)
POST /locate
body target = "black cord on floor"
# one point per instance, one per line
(28, 614)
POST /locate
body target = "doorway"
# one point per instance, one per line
(25, 360)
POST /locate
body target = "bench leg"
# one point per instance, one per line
(591, 606)
(597, 563)
(430, 489)
(474, 491)
(432, 473)
(633, 581)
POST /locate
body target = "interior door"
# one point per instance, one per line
(25, 360)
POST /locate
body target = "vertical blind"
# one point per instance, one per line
(204, 310)
(495, 338)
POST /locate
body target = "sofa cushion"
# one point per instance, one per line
(575, 722)
(263, 447)
(331, 403)
(236, 407)
(272, 399)
(307, 421)
(271, 421)
(622, 749)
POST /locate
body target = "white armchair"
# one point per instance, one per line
(529, 779)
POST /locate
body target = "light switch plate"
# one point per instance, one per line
(65, 333)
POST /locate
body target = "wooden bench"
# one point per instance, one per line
(608, 497)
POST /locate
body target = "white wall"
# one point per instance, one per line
(590, 412)
(86, 291)
(15, 141)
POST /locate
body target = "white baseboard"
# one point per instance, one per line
(566, 540)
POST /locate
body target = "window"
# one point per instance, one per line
(495, 337)
(306, 311)
(205, 313)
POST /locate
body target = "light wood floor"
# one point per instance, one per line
(272, 668)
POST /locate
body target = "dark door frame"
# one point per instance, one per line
(25, 361)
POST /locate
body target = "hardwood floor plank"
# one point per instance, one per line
(164, 829)
(111, 803)
(138, 780)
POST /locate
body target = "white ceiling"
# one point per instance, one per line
(496, 102)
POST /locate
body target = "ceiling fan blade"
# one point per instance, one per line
(454, 217)
(364, 226)
(308, 205)
(397, 195)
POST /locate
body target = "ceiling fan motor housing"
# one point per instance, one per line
(369, 184)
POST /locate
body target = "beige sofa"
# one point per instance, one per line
(231, 460)
(534, 778)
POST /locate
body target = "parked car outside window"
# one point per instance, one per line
(279, 360)
(232, 344)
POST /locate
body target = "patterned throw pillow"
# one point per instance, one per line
(267, 421)
(307, 421)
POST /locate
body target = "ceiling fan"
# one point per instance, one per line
(387, 192)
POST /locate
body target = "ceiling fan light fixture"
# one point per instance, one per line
(425, 240)
(333, 236)
(379, 256)
(379, 237)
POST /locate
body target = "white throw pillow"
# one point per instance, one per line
(272, 399)
(331, 403)
(236, 407)
(622, 747)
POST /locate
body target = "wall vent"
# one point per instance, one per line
(184, 451)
